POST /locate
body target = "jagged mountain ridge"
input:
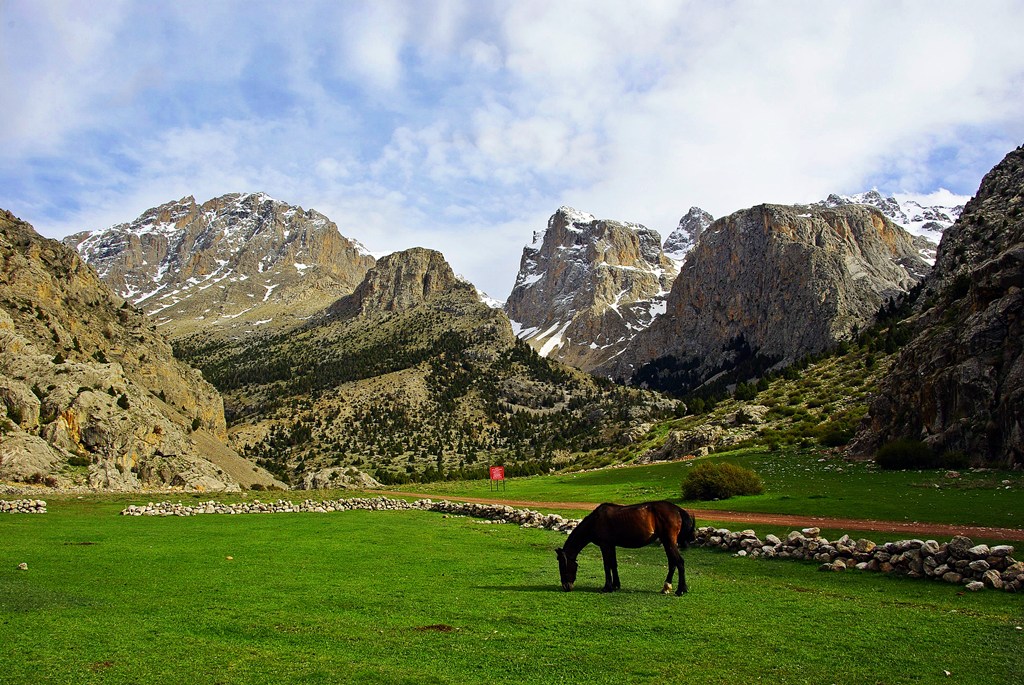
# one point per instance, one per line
(768, 285)
(409, 377)
(91, 393)
(238, 263)
(585, 286)
(958, 385)
(926, 223)
(917, 219)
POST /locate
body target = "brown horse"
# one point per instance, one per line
(613, 525)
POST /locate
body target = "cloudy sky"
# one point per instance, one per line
(462, 126)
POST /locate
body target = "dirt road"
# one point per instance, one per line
(900, 528)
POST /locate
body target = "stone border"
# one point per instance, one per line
(496, 513)
(958, 561)
(22, 506)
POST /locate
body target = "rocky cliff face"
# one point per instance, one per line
(959, 384)
(404, 280)
(233, 265)
(768, 285)
(89, 391)
(586, 286)
(685, 236)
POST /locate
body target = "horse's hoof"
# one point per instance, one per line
(667, 589)
(680, 591)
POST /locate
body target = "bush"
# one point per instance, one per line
(906, 454)
(836, 438)
(708, 481)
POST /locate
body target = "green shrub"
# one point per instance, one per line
(708, 481)
(906, 454)
(836, 438)
(955, 459)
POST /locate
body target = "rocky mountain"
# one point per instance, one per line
(90, 393)
(959, 384)
(411, 377)
(586, 286)
(926, 223)
(767, 285)
(685, 236)
(235, 264)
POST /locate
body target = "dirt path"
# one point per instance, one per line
(901, 528)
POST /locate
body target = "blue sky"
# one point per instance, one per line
(463, 126)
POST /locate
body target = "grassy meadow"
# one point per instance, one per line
(799, 482)
(413, 597)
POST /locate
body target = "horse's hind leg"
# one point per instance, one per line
(675, 560)
(682, 571)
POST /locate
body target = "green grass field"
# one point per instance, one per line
(807, 483)
(415, 597)
(392, 597)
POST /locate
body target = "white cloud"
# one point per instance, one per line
(462, 125)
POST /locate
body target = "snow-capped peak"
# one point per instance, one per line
(912, 212)
(684, 237)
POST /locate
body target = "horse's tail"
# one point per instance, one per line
(687, 531)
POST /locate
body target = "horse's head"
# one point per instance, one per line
(566, 569)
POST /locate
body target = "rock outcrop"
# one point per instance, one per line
(587, 286)
(959, 384)
(90, 393)
(235, 264)
(402, 281)
(768, 285)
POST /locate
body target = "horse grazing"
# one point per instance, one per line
(636, 525)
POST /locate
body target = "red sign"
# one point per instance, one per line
(497, 473)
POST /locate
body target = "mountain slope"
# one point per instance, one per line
(90, 392)
(236, 264)
(586, 286)
(768, 285)
(959, 384)
(410, 377)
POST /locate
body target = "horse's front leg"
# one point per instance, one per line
(611, 569)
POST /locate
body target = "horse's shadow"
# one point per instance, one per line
(548, 588)
(519, 588)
